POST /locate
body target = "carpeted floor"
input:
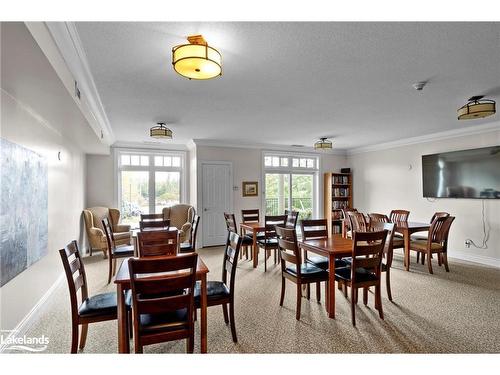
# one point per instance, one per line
(456, 312)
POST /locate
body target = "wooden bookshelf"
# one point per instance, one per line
(337, 195)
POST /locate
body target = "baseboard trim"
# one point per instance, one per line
(480, 259)
(27, 322)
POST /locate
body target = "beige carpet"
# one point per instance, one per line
(456, 312)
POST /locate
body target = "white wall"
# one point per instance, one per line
(42, 128)
(383, 181)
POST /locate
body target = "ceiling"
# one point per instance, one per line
(290, 83)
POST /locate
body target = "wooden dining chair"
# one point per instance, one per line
(292, 218)
(189, 247)
(293, 269)
(97, 308)
(154, 217)
(399, 216)
(157, 243)
(436, 243)
(246, 240)
(425, 236)
(364, 272)
(114, 252)
(163, 299)
(222, 292)
(346, 224)
(358, 221)
(154, 224)
(378, 218)
(270, 241)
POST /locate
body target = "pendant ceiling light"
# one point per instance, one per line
(160, 131)
(197, 60)
(323, 144)
(477, 107)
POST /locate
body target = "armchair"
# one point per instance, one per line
(180, 216)
(93, 222)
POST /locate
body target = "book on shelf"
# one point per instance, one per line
(340, 180)
(337, 228)
(340, 192)
(340, 204)
(337, 215)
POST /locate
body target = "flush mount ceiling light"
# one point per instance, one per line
(323, 144)
(197, 60)
(477, 107)
(160, 131)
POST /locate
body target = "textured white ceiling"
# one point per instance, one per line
(290, 83)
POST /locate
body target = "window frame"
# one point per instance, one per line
(151, 169)
(315, 172)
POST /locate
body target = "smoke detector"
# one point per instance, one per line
(419, 86)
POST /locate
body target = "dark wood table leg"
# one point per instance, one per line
(203, 307)
(330, 306)
(406, 236)
(255, 250)
(123, 338)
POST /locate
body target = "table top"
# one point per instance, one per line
(123, 274)
(259, 226)
(336, 245)
(411, 225)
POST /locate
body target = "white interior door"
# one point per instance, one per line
(216, 199)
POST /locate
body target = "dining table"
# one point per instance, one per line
(122, 282)
(255, 228)
(334, 247)
(407, 228)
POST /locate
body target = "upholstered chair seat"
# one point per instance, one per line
(95, 232)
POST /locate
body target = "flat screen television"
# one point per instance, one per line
(462, 174)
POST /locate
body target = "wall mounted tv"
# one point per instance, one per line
(462, 174)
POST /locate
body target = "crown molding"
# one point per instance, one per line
(65, 36)
(151, 146)
(265, 146)
(486, 128)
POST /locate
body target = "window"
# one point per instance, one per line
(148, 181)
(290, 182)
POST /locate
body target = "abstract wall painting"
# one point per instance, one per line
(23, 209)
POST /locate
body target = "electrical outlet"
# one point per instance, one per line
(467, 243)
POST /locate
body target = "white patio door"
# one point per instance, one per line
(216, 199)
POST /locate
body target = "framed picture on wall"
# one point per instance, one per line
(250, 188)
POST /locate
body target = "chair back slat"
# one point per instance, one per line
(440, 228)
(163, 223)
(399, 216)
(163, 285)
(368, 248)
(194, 231)
(314, 229)
(75, 275)
(250, 216)
(288, 247)
(230, 222)
(157, 243)
(145, 217)
(291, 218)
(230, 261)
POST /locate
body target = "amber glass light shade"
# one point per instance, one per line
(160, 131)
(323, 144)
(478, 108)
(197, 61)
